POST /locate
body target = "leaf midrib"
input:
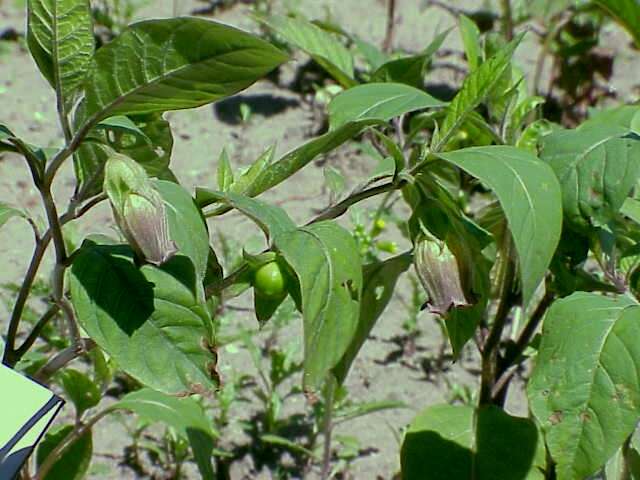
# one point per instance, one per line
(104, 111)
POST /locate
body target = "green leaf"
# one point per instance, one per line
(584, 388)
(471, 41)
(74, 462)
(121, 123)
(271, 219)
(378, 284)
(356, 410)
(286, 443)
(322, 46)
(409, 70)
(296, 159)
(438, 211)
(80, 389)
(60, 38)
(623, 116)
(378, 101)
(152, 321)
(187, 227)
(171, 64)
(325, 259)
(475, 89)
(446, 442)
(225, 172)
(626, 13)
(244, 183)
(334, 180)
(624, 465)
(7, 212)
(151, 149)
(597, 167)
(370, 53)
(630, 208)
(5, 139)
(530, 197)
(184, 415)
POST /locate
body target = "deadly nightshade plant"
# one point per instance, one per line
(539, 225)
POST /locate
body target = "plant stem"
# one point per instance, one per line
(506, 278)
(529, 329)
(35, 333)
(549, 37)
(327, 427)
(391, 24)
(23, 294)
(57, 282)
(60, 157)
(507, 366)
(341, 207)
(11, 356)
(63, 358)
(78, 431)
(507, 19)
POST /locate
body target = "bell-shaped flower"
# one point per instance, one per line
(139, 209)
(439, 274)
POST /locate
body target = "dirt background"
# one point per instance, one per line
(382, 370)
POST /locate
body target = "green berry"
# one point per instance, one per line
(269, 280)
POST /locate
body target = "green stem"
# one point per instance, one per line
(11, 355)
(506, 278)
(391, 24)
(340, 208)
(507, 19)
(327, 427)
(78, 431)
(35, 333)
(508, 365)
(60, 360)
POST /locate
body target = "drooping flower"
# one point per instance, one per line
(439, 274)
(139, 209)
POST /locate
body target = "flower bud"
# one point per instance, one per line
(439, 273)
(139, 209)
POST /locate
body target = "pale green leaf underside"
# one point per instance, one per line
(378, 101)
(530, 196)
(181, 414)
(585, 388)
(184, 415)
(150, 320)
(172, 64)
(325, 258)
(60, 37)
(597, 166)
(321, 45)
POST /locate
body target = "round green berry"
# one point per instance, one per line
(269, 280)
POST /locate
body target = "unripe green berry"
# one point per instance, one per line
(269, 280)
